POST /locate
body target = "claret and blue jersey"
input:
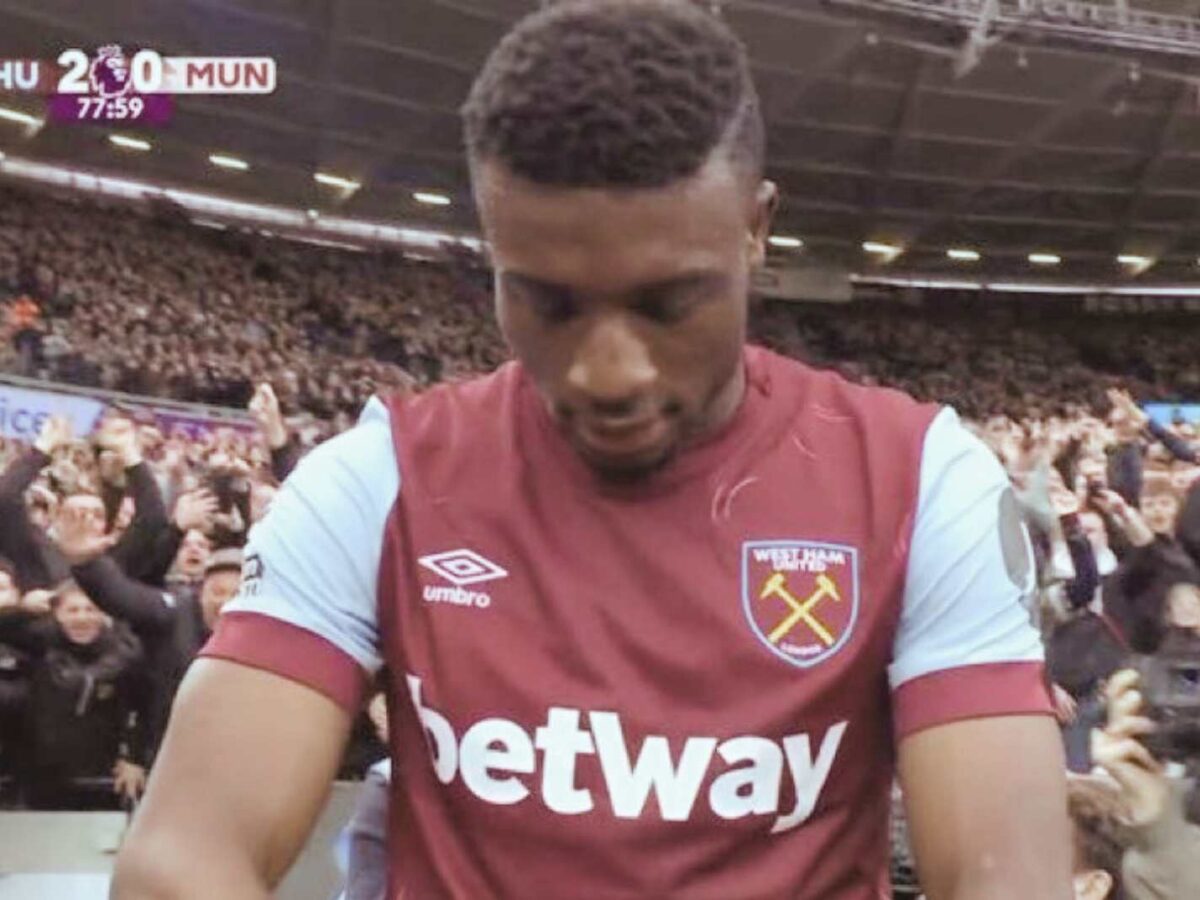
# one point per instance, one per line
(689, 688)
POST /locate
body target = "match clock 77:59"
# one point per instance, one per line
(108, 109)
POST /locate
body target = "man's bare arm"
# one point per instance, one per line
(243, 774)
(987, 809)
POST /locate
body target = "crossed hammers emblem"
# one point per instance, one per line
(802, 610)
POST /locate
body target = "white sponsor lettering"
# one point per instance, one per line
(751, 790)
(501, 745)
(443, 746)
(561, 741)
(808, 776)
(799, 559)
(494, 753)
(457, 596)
(630, 785)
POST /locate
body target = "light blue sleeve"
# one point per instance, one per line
(970, 565)
(313, 561)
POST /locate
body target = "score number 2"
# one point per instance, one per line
(146, 72)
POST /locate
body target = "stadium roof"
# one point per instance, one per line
(885, 125)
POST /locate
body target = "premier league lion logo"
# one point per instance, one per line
(109, 73)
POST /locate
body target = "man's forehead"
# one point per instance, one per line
(76, 597)
(605, 238)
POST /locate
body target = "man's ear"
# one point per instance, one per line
(766, 201)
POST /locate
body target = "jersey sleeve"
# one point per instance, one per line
(307, 606)
(965, 647)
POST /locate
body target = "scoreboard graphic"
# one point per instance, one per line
(114, 86)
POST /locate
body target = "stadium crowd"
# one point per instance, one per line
(105, 296)
(118, 549)
(108, 295)
(117, 552)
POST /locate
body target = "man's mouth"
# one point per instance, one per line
(622, 439)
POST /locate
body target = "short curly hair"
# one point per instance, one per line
(615, 93)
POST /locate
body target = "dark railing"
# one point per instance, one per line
(1082, 20)
(100, 789)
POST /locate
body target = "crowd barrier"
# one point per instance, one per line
(26, 403)
(69, 856)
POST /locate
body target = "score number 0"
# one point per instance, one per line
(145, 71)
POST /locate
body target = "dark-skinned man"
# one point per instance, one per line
(660, 612)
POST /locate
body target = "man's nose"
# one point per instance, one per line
(612, 368)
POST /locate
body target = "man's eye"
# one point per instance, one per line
(553, 306)
(664, 308)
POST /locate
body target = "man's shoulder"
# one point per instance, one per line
(436, 429)
(354, 475)
(826, 395)
(368, 442)
(450, 397)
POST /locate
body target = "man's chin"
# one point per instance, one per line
(626, 468)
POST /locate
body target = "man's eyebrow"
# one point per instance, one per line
(700, 278)
(529, 282)
(697, 279)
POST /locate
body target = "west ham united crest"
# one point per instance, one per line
(800, 597)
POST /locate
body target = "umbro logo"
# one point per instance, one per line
(460, 568)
